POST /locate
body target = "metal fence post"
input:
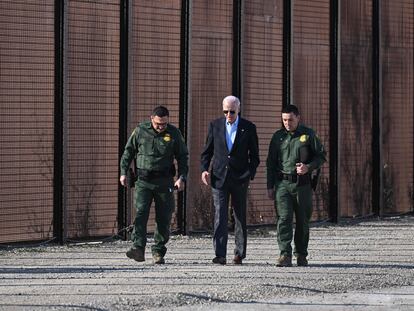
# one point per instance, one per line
(377, 167)
(287, 50)
(123, 109)
(184, 100)
(334, 137)
(58, 124)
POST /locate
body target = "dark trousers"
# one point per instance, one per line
(164, 207)
(238, 194)
(292, 199)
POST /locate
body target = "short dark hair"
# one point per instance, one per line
(160, 111)
(290, 109)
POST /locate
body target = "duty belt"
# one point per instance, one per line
(289, 177)
(300, 180)
(147, 175)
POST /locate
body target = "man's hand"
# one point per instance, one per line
(271, 194)
(205, 177)
(179, 184)
(301, 169)
(123, 180)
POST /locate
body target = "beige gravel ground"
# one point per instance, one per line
(366, 265)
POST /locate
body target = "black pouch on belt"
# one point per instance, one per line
(303, 180)
(132, 176)
(305, 158)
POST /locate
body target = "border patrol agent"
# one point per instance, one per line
(294, 153)
(154, 145)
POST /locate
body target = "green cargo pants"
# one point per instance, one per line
(292, 199)
(164, 207)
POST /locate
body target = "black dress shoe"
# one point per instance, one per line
(219, 260)
(302, 261)
(237, 260)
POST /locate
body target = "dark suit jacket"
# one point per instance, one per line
(240, 163)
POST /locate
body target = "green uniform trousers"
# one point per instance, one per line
(292, 199)
(164, 207)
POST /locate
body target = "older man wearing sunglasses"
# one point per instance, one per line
(232, 145)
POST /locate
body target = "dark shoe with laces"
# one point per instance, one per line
(237, 260)
(138, 254)
(219, 260)
(302, 261)
(284, 261)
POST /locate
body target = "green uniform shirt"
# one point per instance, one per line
(288, 148)
(155, 151)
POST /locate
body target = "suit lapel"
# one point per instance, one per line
(223, 131)
(240, 131)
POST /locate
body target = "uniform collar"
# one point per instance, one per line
(148, 125)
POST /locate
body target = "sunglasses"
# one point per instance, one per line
(227, 111)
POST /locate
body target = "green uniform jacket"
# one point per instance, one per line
(155, 151)
(286, 149)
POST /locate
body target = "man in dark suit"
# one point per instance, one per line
(232, 143)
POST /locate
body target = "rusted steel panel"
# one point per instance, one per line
(310, 81)
(210, 81)
(154, 66)
(91, 118)
(397, 25)
(26, 120)
(154, 59)
(355, 108)
(262, 50)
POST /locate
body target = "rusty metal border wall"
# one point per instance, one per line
(76, 76)
(310, 81)
(27, 41)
